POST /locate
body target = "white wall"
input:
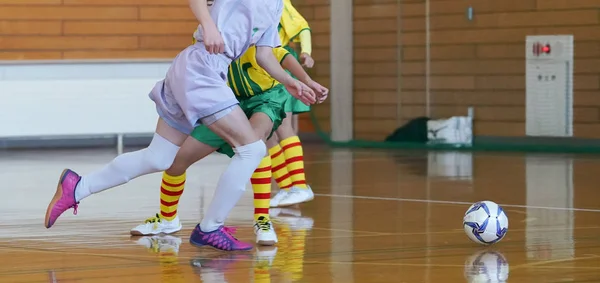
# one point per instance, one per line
(61, 98)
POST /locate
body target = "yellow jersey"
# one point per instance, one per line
(246, 78)
(291, 24)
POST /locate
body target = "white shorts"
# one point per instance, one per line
(195, 87)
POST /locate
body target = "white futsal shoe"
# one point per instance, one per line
(274, 202)
(297, 195)
(265, 232)
(157, 225)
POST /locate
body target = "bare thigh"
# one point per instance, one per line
(273, 141)
(169, 133)
(235, 128)
(286, 130)
(262, 125)
(190, 152)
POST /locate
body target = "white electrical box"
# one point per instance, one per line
(549, 85)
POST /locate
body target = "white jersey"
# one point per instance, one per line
(244, 23)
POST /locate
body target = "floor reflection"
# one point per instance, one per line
(486, 266)
(549, 232)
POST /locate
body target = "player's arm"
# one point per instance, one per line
(306, 48)
(266, 59)
(297, 26)
(266, 48)
(305, 41)
(291, 64)
(211, 36)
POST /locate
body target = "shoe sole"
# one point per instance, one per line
(266, 243)
(290, 204)
(275, 205)
(56, 197)
(202, 245)
(168, 232)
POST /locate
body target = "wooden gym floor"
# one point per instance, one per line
(379, 216)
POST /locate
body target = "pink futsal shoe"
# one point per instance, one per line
(220, 239)
(64, 198)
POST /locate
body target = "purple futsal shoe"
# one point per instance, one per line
(64, 198)
(220, 239)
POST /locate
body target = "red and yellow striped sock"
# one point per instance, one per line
(170, 193)
(279, 169)
(294, 159)
(261, 186)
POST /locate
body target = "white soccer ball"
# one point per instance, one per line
(485, 222)
(486, 266)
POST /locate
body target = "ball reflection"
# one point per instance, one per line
(486, 266)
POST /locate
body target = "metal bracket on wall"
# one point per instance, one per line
(469, 13)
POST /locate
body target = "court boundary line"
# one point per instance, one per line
(454, 202)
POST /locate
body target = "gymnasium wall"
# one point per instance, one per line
(476, 63)
(105, 29)
(482, 62)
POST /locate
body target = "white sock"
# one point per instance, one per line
(158, 156)
(232, 184)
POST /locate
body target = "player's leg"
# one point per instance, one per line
(158, 156)
(294, 157)
(279, 169)
(172, 129)
(173, 181)
(261, 186)
(267, 113)
(261, 177)
(233, 126)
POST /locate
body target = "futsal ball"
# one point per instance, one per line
(485, 222)
(486, 266)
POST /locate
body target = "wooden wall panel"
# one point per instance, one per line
(481, 63)
(476, 63)
(375, 68)
(94, 29)
(316, 12)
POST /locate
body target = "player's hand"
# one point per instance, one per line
(213, 41)
(306, 60)
(301, 91)
(321, 92)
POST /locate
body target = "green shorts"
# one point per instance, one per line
(270, 103)
(294, 105)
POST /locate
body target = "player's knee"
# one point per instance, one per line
(284, 132)
(259, 150)
(157, 161)
(159, 155)
(262, 134)
(253, 151)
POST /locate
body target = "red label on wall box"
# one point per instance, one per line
(539, 48)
